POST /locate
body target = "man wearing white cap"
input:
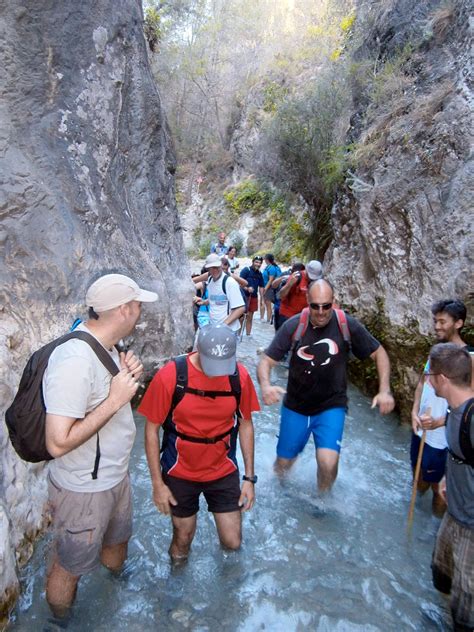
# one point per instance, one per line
(90, 433)
(202, 400)
(293, 293)
(226, 303)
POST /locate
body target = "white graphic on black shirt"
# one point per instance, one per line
(319, 357)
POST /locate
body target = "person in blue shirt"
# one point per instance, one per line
(220, 247)
(272, 272)
(254, 279)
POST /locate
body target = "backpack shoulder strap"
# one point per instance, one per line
(343, 326)
(95, 345)
(300, 330)
(301, 327)
(181, 381)
(224, 282)
(236, 389)
(465, 443)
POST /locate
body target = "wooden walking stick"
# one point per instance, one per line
(416, 477)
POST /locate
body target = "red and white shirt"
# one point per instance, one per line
(199, 417)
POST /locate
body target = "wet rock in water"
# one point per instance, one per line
(88, 180)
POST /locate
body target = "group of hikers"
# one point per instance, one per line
(204, 402)
(226, 294)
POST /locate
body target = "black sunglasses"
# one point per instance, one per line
(318, 306)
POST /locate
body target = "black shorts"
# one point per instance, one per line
(222, 495)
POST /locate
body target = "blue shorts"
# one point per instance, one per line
(327, 428)
(433, 461)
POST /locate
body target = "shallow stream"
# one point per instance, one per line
(339, 565)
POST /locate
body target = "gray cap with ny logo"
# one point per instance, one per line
(217, 347)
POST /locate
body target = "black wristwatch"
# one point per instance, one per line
(250, 479)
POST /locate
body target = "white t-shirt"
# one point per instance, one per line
(439, 406)
(220, 303)
(233, 263)
(75, 382)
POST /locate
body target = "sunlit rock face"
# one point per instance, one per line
(403, 231)
(87, 173)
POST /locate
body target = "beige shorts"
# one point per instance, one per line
(84, 522)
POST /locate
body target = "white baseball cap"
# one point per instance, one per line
(112, 290)
(314, 270)
(213, 261)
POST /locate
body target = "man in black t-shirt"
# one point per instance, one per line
(315, 401)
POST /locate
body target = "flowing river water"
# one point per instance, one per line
(340, 564)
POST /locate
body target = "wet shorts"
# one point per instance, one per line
(269, 295)
(253, 304)
(84, 522)
(295, 429)
(433, 461)
(453, 569)
(222, 495)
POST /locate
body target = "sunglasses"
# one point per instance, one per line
(324, 306)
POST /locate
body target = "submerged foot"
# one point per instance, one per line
(438, 506)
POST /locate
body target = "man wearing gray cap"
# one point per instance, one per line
(202, 400)
(90, 433)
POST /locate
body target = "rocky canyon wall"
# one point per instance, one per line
(87, 172)
(403, 229)
(403, 214)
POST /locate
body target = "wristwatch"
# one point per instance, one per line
(250, 479)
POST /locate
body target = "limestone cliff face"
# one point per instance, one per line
(402, 221)
(403, 229)
(87, 173)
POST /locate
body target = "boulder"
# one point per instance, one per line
(87, 169)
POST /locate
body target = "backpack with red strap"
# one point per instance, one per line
(181, 388)
(303, 326)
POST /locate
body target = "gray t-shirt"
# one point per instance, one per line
(75, 382)
(459, 476)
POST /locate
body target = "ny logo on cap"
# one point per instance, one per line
(219, 350)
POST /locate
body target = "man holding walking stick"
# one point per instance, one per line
(429, 411)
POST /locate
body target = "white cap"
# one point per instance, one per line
(213, 261)
(112, 290)
(314, 270)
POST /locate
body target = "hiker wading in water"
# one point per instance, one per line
(200, 439)
(91, 511)
(450, 376)
(316, 400)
